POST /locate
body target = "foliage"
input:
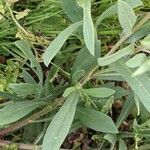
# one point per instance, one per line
(73, 64)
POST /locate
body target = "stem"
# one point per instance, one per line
(16, 22)
(35, 116)
(86, 78)
(125, 37)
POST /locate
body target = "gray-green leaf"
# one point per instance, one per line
(56, 45)
(101, 92)
(136, 61)
(24, 89)
(106, 60)
(26, 50)
(17, 110)
(142, 69)
(127, 17)
(122, 145)
(96, 120)
(61, 123)
(139, 84)
(88, 27)
(113, 10)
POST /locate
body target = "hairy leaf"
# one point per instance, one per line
(17, 110)
(56, 45)
(139, 84)
(61, 123)
(24, 89)
(88, 27)
(26, 50)
(126, 16)
(99, 92)
(145, 67)
(96, 120)
(73, 11)
(84, 60)
(112, 10)
(136, 61)
(106, 60)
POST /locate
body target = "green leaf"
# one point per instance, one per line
(111, 138)
(139, 84)
(26, 50)
(142, 32)
(96, 120)
(73, 11)
(6, 95)
(24, 89)
(77, 76)
(113, 10)
(127, 108)
(76, 125)
(88, 27)
(122, 145)
(145, 67)
(108, 105)
(109, 76)
(84, 60)
(17, 110)
(68, 91)
(56, 44)
(99, 92)
(120, 92)
(106, 60)
(127, 17)
(146, 42)
(61, 123)
(136, 60)
(28, 78)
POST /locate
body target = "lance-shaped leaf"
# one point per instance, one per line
(73, 11)
(24, 89)
(84, 60)
(26, 50)
(106, 60)
(136, 61)
(88, 27)
(143, 68)
(142, 32)
(56, 44)
(139, 84)
(61, 123)
(101, 92)
(96, 120)
(127, 17)
(17, 110)
(112, 10)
